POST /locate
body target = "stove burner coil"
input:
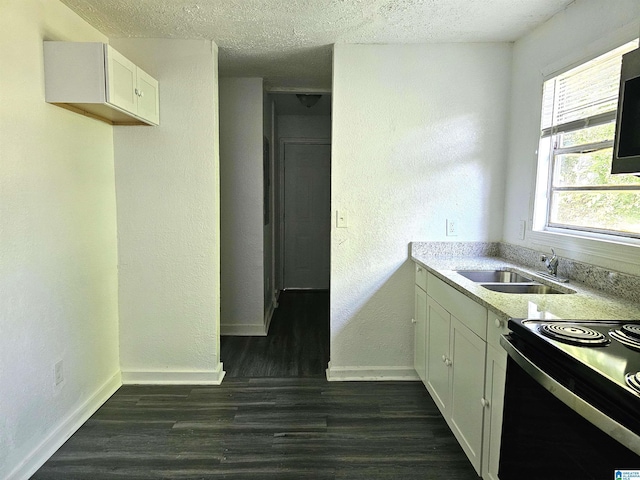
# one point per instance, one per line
(633, 380)
(628, 335)
(573, 334)
(632, 329)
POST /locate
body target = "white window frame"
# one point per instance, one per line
(603, 246)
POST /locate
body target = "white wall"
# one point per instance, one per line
(58, 249)
(241, 228)
(168, 219)
(418, 137)
(583, 31)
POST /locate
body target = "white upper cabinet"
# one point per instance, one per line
(148, 98)
(96, 80)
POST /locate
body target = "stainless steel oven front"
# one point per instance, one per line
(564, 418)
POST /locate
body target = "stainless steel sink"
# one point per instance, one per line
(524, 288)
(505, 281)
(494, 276)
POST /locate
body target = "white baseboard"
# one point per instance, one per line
(243, 330)
(251, 330)
(213, 377)
(67, 427)
(355, 374)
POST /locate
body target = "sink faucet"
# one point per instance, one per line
(551, 263)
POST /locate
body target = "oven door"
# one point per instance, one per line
(548, 432)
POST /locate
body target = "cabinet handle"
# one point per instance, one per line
(413, 320)
(141, 94)
(419, 269)
(498, 323)
(448, 362)
(444, 358)
(484, 402)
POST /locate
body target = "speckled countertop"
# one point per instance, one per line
(586, 303)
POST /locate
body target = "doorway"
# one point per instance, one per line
(306, 221)
(297, 243)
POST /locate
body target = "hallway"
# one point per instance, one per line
(297, 344)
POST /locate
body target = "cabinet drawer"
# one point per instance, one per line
(421, 277)
(496, 326)
(471, 314)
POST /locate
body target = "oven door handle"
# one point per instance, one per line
(587, 411)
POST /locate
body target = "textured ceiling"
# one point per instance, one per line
(288, 42)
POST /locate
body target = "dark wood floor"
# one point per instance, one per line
(264, 428)
(258, 425)
(297, 344)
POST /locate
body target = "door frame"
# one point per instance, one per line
(284, 141)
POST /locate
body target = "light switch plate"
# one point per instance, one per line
(58, 372)
(341, 219)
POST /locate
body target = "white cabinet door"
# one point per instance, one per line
(467, 389)
(420, 333)
(121, 81)
(438, 359)
(496, 373)
(131, 88)
(148, 97)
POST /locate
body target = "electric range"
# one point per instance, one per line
(596, 360)
(572, 400)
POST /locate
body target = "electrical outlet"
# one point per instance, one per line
(522, 229)
(58, 372)
(452, 227)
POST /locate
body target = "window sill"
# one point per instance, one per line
(620, 251)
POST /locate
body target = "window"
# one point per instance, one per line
(575, 191)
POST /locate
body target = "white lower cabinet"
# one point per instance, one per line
(420, 325)
(455, 376)
(495, 377)
(438, 334)
(466, 414)
(464, 368)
